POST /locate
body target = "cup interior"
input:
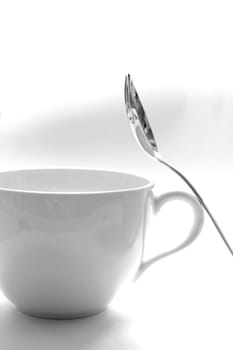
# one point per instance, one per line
(70, 181)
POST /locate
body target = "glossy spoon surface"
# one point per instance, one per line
(144, 136)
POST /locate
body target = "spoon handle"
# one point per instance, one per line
(201, 202)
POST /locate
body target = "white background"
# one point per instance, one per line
(61, 97)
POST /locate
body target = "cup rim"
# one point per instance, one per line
(148, 184)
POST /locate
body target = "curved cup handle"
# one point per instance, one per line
(158, 202)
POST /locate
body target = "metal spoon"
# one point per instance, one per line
(143, 133)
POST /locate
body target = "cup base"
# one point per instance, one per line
(54, 316)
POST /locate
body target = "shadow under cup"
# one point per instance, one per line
(69, 238)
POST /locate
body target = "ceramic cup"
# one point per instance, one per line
(70, 238)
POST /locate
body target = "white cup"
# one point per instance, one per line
(70, 238)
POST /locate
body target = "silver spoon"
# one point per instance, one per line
(143, 133)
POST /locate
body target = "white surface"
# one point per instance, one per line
(54, 51)
(70, 238)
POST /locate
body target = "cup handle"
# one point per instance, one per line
(157, 203)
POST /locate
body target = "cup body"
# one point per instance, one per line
(65, 250)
